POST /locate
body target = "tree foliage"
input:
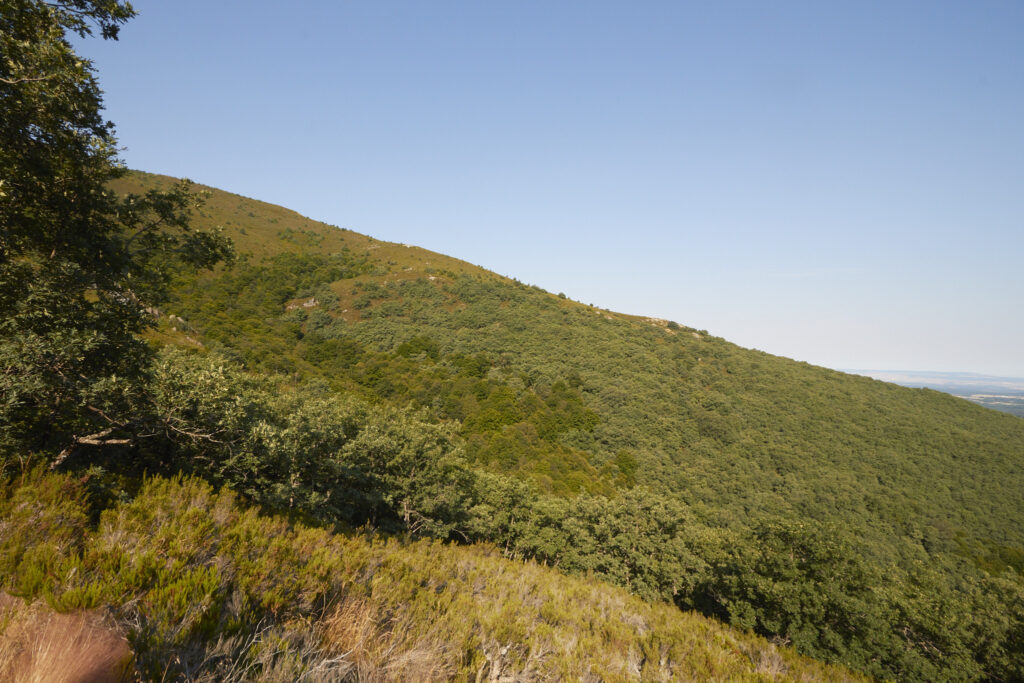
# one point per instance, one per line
(78, 265)
(329, 457)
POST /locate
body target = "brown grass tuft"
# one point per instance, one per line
(38, 645)
(379, 647)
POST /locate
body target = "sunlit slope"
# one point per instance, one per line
(207, 589)
(738, 434)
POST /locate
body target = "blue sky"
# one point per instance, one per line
(841, 182)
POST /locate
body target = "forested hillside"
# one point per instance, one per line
(529, 374)
(877, 511)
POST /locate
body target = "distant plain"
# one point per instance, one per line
(999, 393)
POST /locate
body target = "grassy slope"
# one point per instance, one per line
(738, 433)
(208, 590)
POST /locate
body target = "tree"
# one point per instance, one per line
(806, 584)
(80, 268)
(415, 470)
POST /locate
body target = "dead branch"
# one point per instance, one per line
(97, 439)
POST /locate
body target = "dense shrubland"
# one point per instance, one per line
(206, 589)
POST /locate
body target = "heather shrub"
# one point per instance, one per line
(206, 589)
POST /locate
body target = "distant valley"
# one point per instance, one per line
(999, 393)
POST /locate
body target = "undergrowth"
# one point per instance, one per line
(207, 589)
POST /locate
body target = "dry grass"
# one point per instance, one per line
(380, 648)
(38, 645)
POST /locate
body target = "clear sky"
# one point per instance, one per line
(837, 182)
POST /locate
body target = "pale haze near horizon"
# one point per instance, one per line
(839, 183)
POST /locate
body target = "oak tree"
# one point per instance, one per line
(78, 264)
